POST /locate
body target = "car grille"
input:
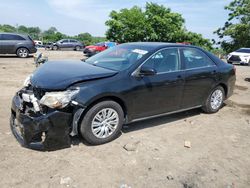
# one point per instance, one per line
(234, 58)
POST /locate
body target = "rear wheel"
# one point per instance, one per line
(77, 48)
(102, 123)
(22, 52)
(215, 100)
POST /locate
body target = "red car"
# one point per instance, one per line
(99, 47)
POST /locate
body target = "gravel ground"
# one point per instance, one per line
(148, 154)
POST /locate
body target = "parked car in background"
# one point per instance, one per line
(69, 44)
(48, 45)
(98, 47)
(126, 83)
(38, 43)
(12, 43)
(240, 56)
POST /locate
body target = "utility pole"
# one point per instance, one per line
(17, 28)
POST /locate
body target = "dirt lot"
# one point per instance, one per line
(219, 155)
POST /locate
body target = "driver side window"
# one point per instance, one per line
(164, 61)
(64, 41)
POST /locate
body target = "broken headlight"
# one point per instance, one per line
(59, 99)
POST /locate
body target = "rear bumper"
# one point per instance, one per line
(44, 132)
(238, 62)
(32, 50)
(230, 86)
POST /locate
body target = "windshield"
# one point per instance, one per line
(243, 50)
(119, 58)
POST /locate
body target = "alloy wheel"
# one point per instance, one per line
(23, 52)
(216, 99)
(105, 123)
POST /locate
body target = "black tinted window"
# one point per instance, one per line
(64, 41)
(73, 41)
(243, 50)
(195, 58)
(11, 37)
(164, 61)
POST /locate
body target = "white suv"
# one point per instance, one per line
(240, 56)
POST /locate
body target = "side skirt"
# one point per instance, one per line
(164, 114)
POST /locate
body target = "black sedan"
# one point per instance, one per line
(127, 83)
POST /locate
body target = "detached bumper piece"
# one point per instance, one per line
(46, 132)
(89, 52)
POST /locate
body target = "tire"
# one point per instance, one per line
(22, 52)
(215, 100)
(77, 48)
(55, 47)
(95, 129)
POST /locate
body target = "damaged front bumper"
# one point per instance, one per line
(42, 131)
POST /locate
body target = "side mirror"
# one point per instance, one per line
(147, 71)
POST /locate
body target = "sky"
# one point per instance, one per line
(78, 16)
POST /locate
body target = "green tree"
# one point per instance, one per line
(33, 32)
(127, 25)
(164, 25)
(156, 23)
(86, 38)
(7, 28)
(236, 31)
(52, 35)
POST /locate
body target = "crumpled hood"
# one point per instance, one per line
(58, 75)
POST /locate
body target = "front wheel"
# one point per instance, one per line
(215, 100)
(55, 47)
(102, 123)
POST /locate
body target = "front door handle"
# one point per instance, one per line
(179, 78)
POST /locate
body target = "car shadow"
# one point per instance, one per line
(144, 124)
(14, 56)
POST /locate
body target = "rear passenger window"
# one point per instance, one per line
(11, 37)
(195, 58)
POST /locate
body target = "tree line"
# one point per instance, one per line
(50, 35)
(235, 33)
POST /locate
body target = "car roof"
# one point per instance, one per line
(68, 39)
(23, 35)
(245, 48)
(159, 44)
